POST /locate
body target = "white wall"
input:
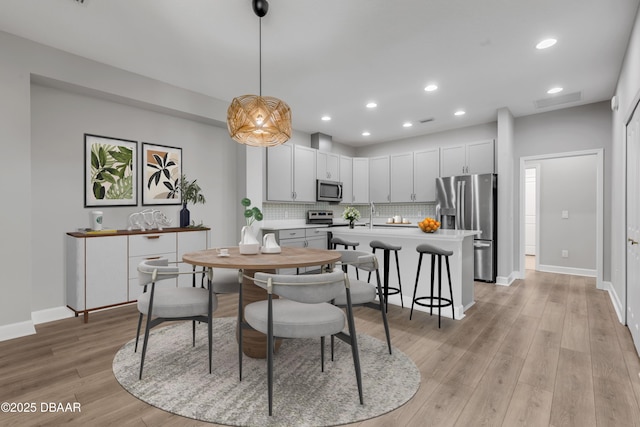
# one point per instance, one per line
(586, 127)
(59, 120)
(628, 93)
(568, 184)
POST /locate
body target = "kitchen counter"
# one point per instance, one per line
(461, 262)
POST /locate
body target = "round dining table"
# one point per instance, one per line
(253, 342)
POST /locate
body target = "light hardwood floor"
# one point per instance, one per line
(546, 351)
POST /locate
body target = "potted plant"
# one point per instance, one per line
(189, 191)
(248, 242)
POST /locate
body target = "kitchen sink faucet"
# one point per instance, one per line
(372, 209)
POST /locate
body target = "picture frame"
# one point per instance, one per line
(110, 171)
(161, 172)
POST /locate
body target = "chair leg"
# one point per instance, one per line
(270, 356)
(383, 312)
(146, 330)
(354, 346)
(439, 288)
(210, 323)
(135, 350)
(240, 326)
(332, 344)
(322, 353)
(399, 282)
(386, 279)
(433, 266)
(193, 333)
(415, 288)
(357, 271)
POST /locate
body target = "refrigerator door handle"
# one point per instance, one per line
(460, 206)
(481, 245)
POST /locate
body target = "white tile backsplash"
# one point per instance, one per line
(291, 211)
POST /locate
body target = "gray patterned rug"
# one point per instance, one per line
(176, 379)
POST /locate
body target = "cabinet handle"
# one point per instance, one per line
(152, 237)
(153, 257)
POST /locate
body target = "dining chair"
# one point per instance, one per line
(303, 311)
(161, 304)
(363, 293)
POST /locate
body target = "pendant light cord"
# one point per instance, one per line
(260, 54)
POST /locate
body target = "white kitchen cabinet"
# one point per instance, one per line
(379, 179)
(413, 176)
(465, 159)
(189, 242)
(346, 177)
(360, 180)
(291, 173)
(102, 269)
(327, 166)
(426, 168)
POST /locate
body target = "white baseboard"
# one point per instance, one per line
(16, 330)
(507, 280)
(51, 314)
(615, 300)
(567, 270)
(22, 329)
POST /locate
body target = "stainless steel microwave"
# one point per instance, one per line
(328, 191)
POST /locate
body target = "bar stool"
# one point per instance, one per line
(387, 248)
(440, 302)
(335, 241)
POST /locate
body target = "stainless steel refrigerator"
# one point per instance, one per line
(470, 202)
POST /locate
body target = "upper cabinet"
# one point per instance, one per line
(327, 166)
(379, 178)
(466, 159)
(291, 173)
(346, 176)
(360, 180)
(413, 176)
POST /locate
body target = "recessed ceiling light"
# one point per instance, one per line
(460, 113)
(546, 43)
(407, 124)
(554, 90)
(431, 88)
(326, 118)
(366, 133)
(372, 105)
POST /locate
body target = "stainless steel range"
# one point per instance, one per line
(320, 217)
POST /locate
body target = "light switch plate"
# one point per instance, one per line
(565, 214)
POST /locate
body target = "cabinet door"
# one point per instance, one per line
(360, 180)
(299, 242)
(426, 168)
(379, 191)
(280, 173)
(452, 160)
(190, 241)
(106, 271)
(480, 157)
(402, 178)
(304, 174)
(327, 166)
(346, 176)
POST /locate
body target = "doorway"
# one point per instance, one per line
(596, 159)
(531, 204)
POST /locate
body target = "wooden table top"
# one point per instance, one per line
(288, 258)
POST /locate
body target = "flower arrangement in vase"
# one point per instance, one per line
(249, 245)
(351, 214)
(189, 191)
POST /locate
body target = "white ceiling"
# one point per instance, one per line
(333, 56)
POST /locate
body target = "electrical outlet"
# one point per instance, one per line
(565, 253)
(286, 214)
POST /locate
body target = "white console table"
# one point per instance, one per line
(102, 269)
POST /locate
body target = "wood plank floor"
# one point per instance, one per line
(546, 351)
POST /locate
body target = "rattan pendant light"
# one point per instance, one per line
(256, 120)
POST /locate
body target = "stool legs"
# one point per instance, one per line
(440, 301)
(386, 258)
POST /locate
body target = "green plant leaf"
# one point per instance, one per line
(245, 202)
(122, 189)
(98, 191)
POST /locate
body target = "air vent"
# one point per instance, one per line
(557, 100)
(430, 119)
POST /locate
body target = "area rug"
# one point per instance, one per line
(176, 379)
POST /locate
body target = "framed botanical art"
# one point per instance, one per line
(110, 174)
(161, 171)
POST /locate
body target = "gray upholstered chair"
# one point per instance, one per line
(303, 311)
(171, 303)
(363, 293)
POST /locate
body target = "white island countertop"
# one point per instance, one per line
(406, 232)
(460, 242)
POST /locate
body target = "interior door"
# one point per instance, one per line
(633, 227)
(530, 212)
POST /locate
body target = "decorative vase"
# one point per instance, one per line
(185, 216)
(248, 245)
(351, 224)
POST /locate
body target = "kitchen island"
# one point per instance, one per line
(461, 262)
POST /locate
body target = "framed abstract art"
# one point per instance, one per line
(110, 171)
(161, 171)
